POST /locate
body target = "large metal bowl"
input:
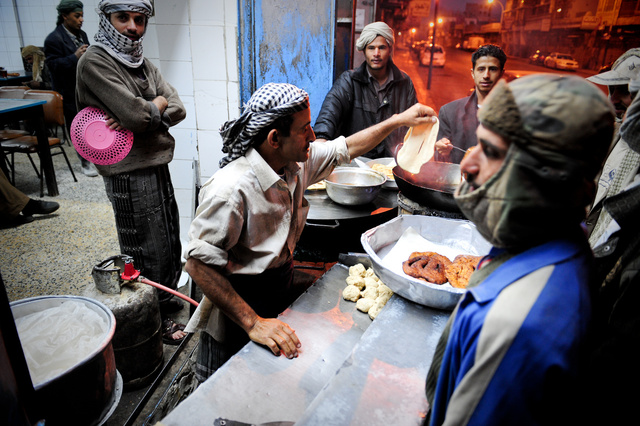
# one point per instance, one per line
(87, 391)
(460, 236)
(354, 186)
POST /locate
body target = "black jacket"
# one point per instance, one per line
(352, 105)
(59, 52)
(458, 123)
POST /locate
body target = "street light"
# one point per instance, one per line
(501, 7)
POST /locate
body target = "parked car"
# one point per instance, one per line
(562, 61)
(417, 46)
(537, 58)
(439, 56)
(472, 43)
(510, 75)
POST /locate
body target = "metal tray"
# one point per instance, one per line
(460, 235)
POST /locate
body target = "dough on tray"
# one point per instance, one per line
(365, 304)
(367, 290)
(351, 292)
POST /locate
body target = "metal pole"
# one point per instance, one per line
(433, 44)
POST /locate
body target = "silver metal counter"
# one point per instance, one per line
(351, 370)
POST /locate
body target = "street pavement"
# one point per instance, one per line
(454, 81)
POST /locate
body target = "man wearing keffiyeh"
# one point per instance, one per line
(62, 50)
(251, 215)
(114, 76)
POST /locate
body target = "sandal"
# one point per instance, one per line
(169, 327)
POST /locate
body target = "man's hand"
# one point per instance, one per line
(161, 102)
(113, 124)
(80, 51)
(416, 115)
(277, 335)
(365, 140)
(444, 147)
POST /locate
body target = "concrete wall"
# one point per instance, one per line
(193, 42)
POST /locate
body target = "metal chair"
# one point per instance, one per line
(54, 118)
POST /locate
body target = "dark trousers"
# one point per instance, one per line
(269, 294)
(148, 223)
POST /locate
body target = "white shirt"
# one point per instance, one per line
(250, 220)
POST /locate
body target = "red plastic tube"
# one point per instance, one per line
(168, 290)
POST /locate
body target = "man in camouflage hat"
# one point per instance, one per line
(511, 349)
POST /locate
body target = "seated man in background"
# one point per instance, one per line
(512, 350)
(458, 119)
(368, 95)
(16, 208)
(251, 215)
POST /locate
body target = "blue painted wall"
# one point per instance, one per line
(288, 41)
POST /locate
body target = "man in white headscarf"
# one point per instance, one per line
(373, 92)
(251, 215)
(114, 76)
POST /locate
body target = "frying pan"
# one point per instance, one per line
(426, 190)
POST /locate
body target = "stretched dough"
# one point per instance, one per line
(419, 146)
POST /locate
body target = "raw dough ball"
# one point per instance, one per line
(370, 282)
(375, 310)
(370, 293)
(364, 304)
(357, 270)
(370, 273)
(356, 280)
(351, 292)
(384, 291)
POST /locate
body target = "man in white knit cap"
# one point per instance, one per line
(370, 94)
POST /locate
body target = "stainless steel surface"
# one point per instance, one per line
(460, 234)
(383, 380)
(85, 389)
(373, 366)
(354, 186)
(323, 208)
(257, 387)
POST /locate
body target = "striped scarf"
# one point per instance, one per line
(267, 104)
(119, 46)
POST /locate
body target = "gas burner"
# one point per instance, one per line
(410, 207)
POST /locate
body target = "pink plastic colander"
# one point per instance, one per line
(97, 143)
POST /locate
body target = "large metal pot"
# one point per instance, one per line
(85, 393)
(425, 189)
(353, 186)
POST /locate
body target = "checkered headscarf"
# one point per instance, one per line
(267, 104)
(120, 47)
